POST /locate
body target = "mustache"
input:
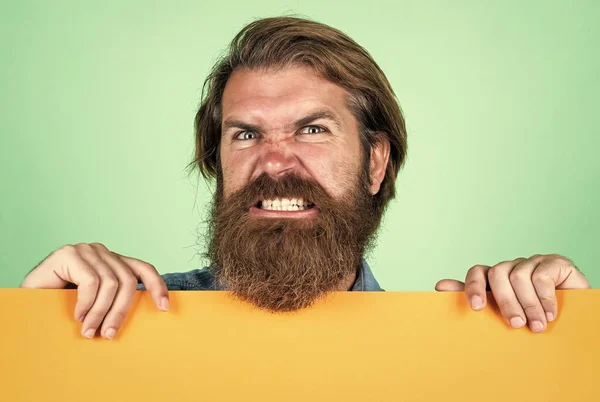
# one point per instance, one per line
(288, 186)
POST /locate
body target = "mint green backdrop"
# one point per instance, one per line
(501, 101)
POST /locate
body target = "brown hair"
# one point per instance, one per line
(282, 41)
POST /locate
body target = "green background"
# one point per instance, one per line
(501, 101)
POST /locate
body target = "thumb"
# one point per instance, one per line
(450, 285)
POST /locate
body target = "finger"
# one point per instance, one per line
(125, 293)
(504, 294)
(63, 267)
(568, 276)
(521, 281)
(39, 278)
(106, 292)
(475, 286)
(449, 285)
(79, 272)
(555, 272)
(151, 280)
(543, 279)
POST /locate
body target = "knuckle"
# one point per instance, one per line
(129, 281)
(67, 250)
(148, 267)
(547, 299)
(67, 247)
(502, 266)
(83, 303)
(110, 283)
(98, 246)
(92, 280)
(540, 276)
(117, 316)
(473, 283)
(505, 305)
(95, 315)
(83, 248)
(495, 273)
(518, 275)
(477, 269)
(563, 260)
(530, 308)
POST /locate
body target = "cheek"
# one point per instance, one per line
(335, 171)
(233, 173)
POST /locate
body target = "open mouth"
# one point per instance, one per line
(285, 204)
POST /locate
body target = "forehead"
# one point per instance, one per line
(283, 93)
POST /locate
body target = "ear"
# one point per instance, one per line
(380, 155)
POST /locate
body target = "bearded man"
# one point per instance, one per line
(305, 137)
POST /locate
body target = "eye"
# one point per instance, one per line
(246, 135)
(312, 130)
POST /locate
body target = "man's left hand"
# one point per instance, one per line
(524, 288)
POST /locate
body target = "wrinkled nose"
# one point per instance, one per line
(276, 161)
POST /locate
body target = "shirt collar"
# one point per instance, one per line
(365, 280)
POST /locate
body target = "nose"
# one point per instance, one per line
(276, 160)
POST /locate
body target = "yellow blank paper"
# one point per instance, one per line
(352, 347)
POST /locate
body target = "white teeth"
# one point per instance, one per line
(284, 204)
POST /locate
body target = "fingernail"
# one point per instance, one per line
(110, 333)
(537, 326)
(476, 302)
(517, 322)
(164, 304)
(90, 333)
(549, 316)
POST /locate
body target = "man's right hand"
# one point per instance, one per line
(106, 284)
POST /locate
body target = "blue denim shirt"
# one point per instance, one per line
(204, 279)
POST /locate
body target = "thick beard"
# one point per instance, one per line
(281, 264)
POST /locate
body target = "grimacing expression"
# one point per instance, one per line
(291, 121)
(293, 213)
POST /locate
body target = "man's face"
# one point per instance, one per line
(293, 212)
(292, 121)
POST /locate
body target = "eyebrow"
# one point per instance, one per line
(324, 114)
